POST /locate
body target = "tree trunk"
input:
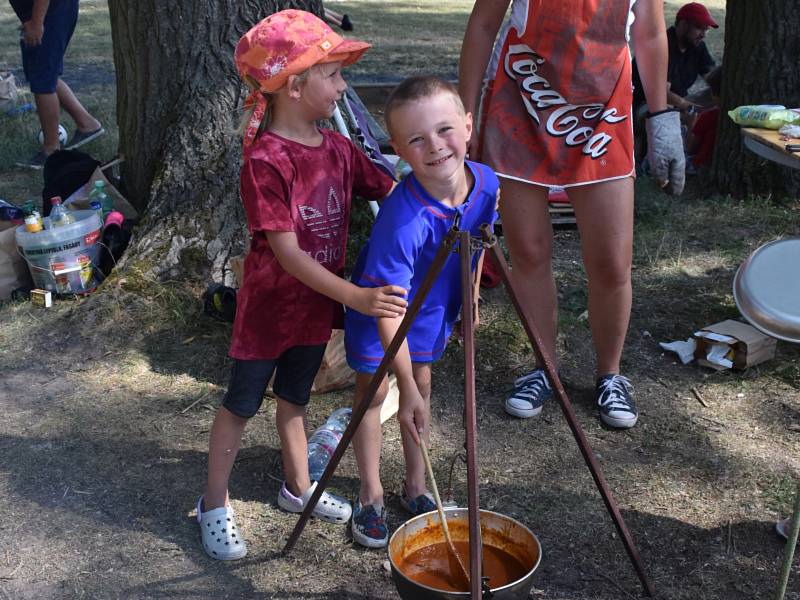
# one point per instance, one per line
(178, 105)
(760, 67)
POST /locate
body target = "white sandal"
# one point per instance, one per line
(219, 533)
(329, 508)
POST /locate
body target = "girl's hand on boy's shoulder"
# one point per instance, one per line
(387, 301)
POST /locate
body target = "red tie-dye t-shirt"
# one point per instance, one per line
(287, 186)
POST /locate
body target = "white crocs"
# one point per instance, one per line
(219, 533)
(330, 508)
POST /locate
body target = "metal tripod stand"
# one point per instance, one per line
(468, 331)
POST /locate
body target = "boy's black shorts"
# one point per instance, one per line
(296, 369)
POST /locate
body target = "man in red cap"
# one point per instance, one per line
(688, 59)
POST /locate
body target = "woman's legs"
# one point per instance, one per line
(529, 237)
(367, 441)
(604, 213)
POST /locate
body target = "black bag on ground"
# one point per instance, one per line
(219, 302)
(65, 172)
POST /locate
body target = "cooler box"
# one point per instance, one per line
(62, 260)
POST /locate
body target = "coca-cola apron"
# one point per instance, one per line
(556, 110)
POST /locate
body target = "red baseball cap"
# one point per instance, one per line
(696, 13)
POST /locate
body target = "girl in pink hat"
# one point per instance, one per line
(297, 182)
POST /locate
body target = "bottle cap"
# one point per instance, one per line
(99, 183)
(114, 218)
(55, 200)
(95, 205)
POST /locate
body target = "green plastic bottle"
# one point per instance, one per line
(98, 194)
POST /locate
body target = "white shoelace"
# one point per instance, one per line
(615, 393)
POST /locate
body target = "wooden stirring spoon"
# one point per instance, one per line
(461, 570)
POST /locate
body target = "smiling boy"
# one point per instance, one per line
(430, 131)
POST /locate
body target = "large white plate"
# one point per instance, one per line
(766, 289)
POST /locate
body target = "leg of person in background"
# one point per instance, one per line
(48, 108)
(604, 213)
(529, 237)
(84, 121)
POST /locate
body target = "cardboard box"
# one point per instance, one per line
(742, 345)
(79, 199)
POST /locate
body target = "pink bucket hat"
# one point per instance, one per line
(287, 43)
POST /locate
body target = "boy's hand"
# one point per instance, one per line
(411, 413)
(384, 301)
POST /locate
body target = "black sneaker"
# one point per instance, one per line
(615, 399)
(34, 162)
(79, 138)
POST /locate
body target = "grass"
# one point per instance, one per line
(88, 68)
(437, 26)
(108, 401)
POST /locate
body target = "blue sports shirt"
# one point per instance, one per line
(404, 240)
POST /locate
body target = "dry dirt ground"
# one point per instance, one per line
(107, 403)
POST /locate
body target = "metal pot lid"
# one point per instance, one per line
(766, 289)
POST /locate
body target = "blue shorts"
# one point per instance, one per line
(365, 368)
(43, 64)
(296, 369)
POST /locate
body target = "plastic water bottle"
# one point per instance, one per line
(59, 216)
(98, 194)
(322, 444)
(98, 209)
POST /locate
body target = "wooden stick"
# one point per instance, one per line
(442, 254)
(471, 419)
(699, 397)
(442, 519)
(788, 555)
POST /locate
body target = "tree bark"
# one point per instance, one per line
(178, 106)
(760, 67)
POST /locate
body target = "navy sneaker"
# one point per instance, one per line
(417, 506)
(529, 396)
(615, 399)
(369, 525)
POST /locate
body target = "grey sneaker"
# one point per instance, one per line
(34, 162)
(530, 392)
(79, 138)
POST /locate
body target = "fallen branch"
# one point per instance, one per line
(203, 397)
(699, 397)
(14, 572)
